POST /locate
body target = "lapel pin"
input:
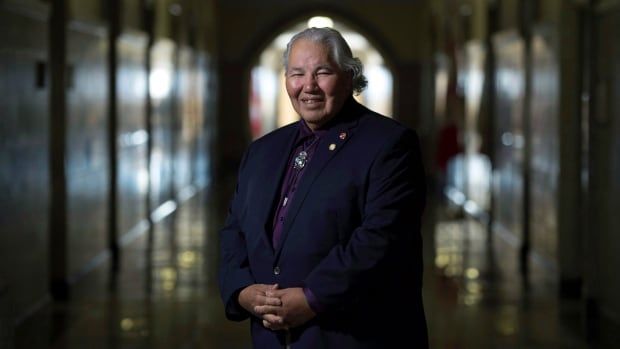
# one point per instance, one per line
(343, 135)
(332, 146)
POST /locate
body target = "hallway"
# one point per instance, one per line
(124, 123)
(165, 295)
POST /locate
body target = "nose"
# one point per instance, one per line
(310, 83)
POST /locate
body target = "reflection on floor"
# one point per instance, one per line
(166, 296)
(475, 296)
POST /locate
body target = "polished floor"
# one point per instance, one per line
(165, 295)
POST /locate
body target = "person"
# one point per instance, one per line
(322, 244)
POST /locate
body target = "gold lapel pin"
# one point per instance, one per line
(343, 135)
(332, 146)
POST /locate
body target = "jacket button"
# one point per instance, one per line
(276, 271)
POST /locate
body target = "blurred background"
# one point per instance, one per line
(123, 123)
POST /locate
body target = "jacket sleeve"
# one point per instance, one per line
(389, 231)
(234, 271)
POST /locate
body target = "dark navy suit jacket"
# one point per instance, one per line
(352, 234)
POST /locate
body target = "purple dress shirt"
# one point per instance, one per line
(307, 141)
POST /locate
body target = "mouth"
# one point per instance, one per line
(311, 100)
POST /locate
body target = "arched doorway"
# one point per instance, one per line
(269, 107)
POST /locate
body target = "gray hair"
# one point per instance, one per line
(339, 50)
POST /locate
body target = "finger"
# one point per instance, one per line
(274, 322)
(277, 293)
(274, 327)
(262, 288)
(271, 326)
(266, 309)
(271, 301)
(273, 319)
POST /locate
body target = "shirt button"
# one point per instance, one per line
(281, 219)
(276, 271)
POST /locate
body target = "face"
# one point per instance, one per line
(315, 84)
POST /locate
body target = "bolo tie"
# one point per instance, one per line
(302, 158)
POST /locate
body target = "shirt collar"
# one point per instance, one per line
(305, 133)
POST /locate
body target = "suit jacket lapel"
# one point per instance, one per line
(328, 146)
(276, 165)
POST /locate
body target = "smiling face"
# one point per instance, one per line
(315, 84)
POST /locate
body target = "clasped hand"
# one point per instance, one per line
(280, 309)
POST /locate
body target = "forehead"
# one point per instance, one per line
(308, 51)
